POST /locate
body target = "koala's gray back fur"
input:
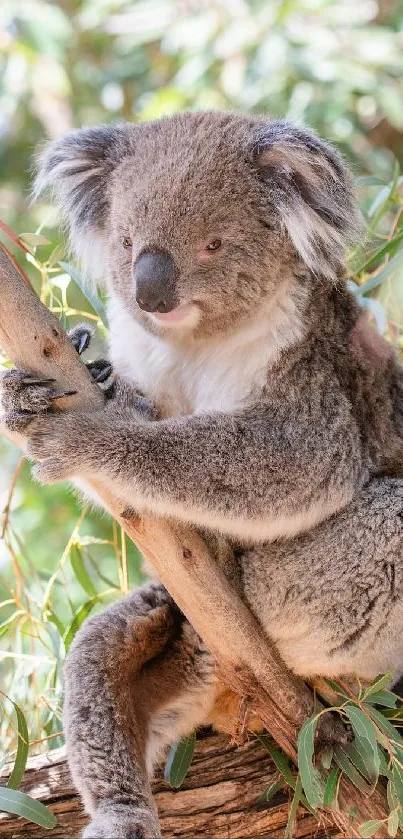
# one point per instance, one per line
(332, 599)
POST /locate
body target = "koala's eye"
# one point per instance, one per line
(214, 245)
(127, 242)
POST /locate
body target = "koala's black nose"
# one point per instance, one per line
(155, 277)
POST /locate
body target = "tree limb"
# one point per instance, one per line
(34, 339)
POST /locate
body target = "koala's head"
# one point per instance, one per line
(197, 221)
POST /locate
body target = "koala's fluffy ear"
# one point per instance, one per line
(77, 168)
(312, 190)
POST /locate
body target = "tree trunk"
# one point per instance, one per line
(218, 800)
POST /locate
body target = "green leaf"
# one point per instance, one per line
(372, 260)
(292, 815)
(179, 760)
(271, 790)
(379, 683)
(338, 689)
(7, 623)
(331, 788)
(369, 828)
(397, 775)
(34, 239)
(383, 275)
(22, 750)
(56, 254)
(393, 801)
(84, 286)
(79, 618)
(385, 726)
(370, 180)
(279, 760)
(393, 823)
(362, 760)
(384, 698)
(383, 764)
(281, 763)
(366, 742)
(21, 804)
(78, 565)
(343, 761)
(51, 617)
(310, 776)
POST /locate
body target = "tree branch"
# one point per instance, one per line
(33, 339)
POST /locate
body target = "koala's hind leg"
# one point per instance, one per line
(137, 678)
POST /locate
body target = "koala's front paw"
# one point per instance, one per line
(123, 823)
(24, 395)
(64, 443)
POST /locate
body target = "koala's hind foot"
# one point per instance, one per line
(122, 822)
(137, 678)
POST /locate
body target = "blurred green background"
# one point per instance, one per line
(332, 64)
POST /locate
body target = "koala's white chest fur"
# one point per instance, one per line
(217, 375)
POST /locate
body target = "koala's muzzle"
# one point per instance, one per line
(155, 277)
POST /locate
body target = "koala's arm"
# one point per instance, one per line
(249, 476)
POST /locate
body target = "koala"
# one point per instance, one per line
(250, 398)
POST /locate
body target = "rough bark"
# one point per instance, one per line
(218, 800)
(33, 338)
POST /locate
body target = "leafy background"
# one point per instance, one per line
(332, 64)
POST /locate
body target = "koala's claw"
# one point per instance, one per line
(61, 395)
(31, 380)
(100, 370)
(23, 393)
(80, 337)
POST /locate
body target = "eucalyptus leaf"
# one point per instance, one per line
(369, 828)
(21, 804)
(385, 726)
(384, 698)
(338, 689)
(86, 289)
(179, 760)
(77, 562)
(343, 761)
(397, 775)
(362, 758)
(22, 749)
(378, 684)
(292, 815)
(331, 788)
(5, 626)
(389, 248)
(271, 790)
(310, 777)
(56, 254)
(366, 741)
(391, 796)
(393, 823)
(370, 180)
(33, 240)
(279, 759)
(80, 616)
(282, 764)
(383, 275)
